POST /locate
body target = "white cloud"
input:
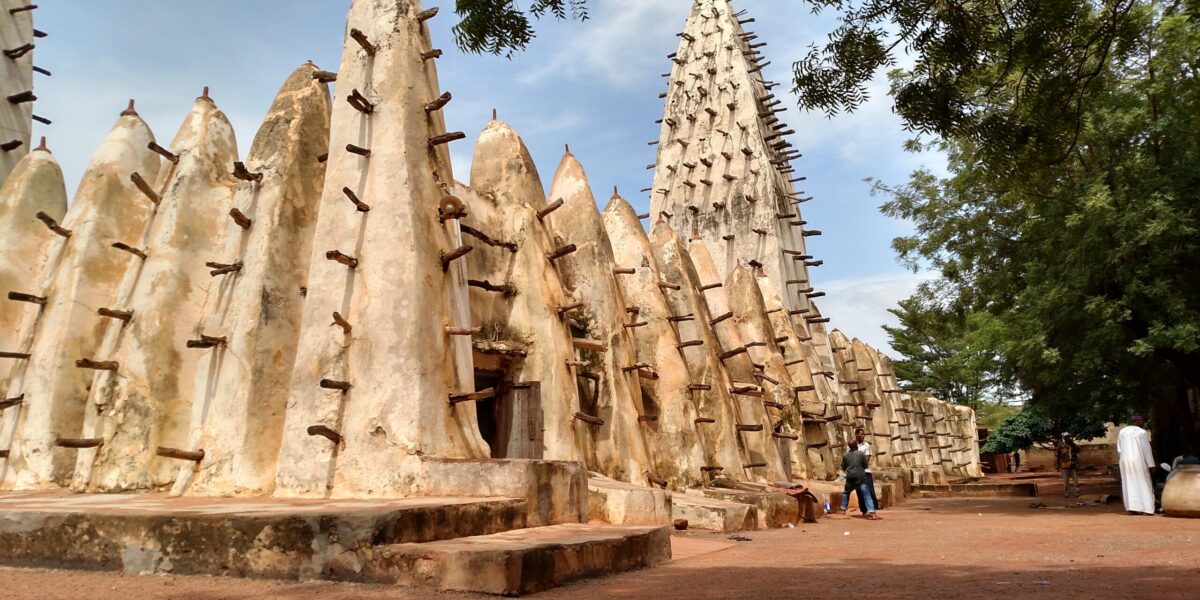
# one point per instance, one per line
(859, 306)
(613, 45)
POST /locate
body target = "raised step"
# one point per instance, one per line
(522, 561)
(250, 537)
(976, 489)
(621, 503)
(702, 512)
(775, 508)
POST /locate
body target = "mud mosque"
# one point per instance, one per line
(332, 357)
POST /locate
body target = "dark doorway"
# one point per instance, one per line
(485, 410)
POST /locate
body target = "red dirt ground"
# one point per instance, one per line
(929, 549)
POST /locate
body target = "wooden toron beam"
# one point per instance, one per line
(78, 443)
(325, 432)
(189, 455)
(472, 396)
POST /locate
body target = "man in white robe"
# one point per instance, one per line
(1137, 460)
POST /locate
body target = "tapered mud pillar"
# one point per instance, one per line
(755, 426)
(243, 380)
(717, 411)
(584, 261)
(141, 397)
(32, 204)
(80, 280)
(817, 399)
(380, 380)
(723, 172)
(780, 397)
(16, 83)
(668, 400)
(517, 298)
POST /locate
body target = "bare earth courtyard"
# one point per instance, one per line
(923, 548)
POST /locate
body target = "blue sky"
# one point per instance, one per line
(593, 85)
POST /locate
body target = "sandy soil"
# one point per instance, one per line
(933, 549)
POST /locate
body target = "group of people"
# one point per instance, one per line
(857, 465)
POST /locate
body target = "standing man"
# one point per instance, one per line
(860, 436)
(1137, 461)
(855, 466)
(1066, 454)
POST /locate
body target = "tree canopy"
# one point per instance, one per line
(500, 27)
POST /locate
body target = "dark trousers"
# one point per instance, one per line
(870, 485)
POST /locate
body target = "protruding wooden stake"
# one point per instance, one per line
(330, 384)
(326, 433)
(207, 341)
(689, 344)
(681, 318)
(479, 235)
(358, 204)
(669, 286)
(360, 102)
(123, 315)
(427, 14)
(463, 331)
(130, 249)
(8, 403)
(715, 320)
(635, 324)
(144, 187)
(553, 206)
(359, 150)
(561, 252)
(241, 172)
(699, 387)
(97, 365)
(30, 298)
(27, 96)
(17, 355)
(505, 289)
(438, 103)
(586, 344)
(711, 286)
(341, 322)
(624, 271)
(435, 53)
(240, 218)
(344, 259)
(741, 427)
(562, 310)
(731, 353)
(163, 152)
(325, 76)
(472, 396)
(445, 138)
(78, 443)
(11, 145)
(362, 40)
(223, 269)
(453, 255)
(193, 456)
(589, 419)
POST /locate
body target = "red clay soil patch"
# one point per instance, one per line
(937, 548)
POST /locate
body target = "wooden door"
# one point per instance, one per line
(519, 421)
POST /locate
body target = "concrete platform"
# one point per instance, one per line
(245, 537)
(522, 561)
(775, 508)
(621, 503)
(713, 514)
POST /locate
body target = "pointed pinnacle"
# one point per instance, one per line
(42, 146)
(204, 95)
(129, 111)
